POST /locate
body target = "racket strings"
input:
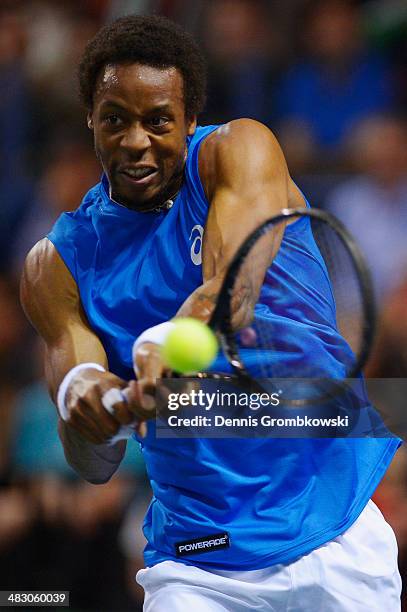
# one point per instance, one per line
(345, 283)
(294, 330)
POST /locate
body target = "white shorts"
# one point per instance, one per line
(355, 572)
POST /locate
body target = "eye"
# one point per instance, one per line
(112, 120)
(158, 122)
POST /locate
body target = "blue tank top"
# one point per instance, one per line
(276, 499)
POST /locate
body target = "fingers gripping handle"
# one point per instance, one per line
(109, 400)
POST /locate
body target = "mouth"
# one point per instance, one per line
(139, 176)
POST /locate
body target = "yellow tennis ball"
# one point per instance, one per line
(191, 346)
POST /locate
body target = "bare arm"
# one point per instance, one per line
(246, 180)
(51, 302)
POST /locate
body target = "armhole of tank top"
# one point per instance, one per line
(70, 266)
(302, 222)
(195, 175)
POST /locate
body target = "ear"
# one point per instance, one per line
(89, 120)
(191, 126)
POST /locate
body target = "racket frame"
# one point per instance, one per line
(221, 319)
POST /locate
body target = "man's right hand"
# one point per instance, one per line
(86, 413)
(149, 367)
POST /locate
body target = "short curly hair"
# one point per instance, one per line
(149, 40)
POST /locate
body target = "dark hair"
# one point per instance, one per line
(150, 40)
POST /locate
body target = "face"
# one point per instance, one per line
(333, 31)
(140, 132)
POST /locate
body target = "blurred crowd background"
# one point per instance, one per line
(329, 77)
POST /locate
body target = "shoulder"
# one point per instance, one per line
(45, 276)
(44, 272)
(42, 257)
(241, 147)
(236, 134)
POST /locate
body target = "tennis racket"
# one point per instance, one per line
(318, 329)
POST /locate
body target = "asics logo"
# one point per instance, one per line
(196, 247)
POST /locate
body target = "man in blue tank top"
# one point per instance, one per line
(254, 525)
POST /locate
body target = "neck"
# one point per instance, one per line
(162, 202)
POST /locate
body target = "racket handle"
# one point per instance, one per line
(125, 432)
(109, 400)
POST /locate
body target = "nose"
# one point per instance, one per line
(136, 139)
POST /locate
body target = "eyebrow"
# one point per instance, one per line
(160, 108)
(165, 107)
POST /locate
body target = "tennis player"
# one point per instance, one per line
(254, 525)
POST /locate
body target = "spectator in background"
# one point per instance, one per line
(14, 116)
(386, 27)
(71, 170)
(238, 40)
(15, 125)
(39, 43)
(338, 83)
(118, 8)
(13, 344)
(56, 529)
(389, 359)
(132, 541)
(373, 204)
(55, 41)
(391, 497)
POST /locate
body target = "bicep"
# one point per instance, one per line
(50, 299)
(251, 186)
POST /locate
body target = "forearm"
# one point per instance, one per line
(201, 303)
(95, 463)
